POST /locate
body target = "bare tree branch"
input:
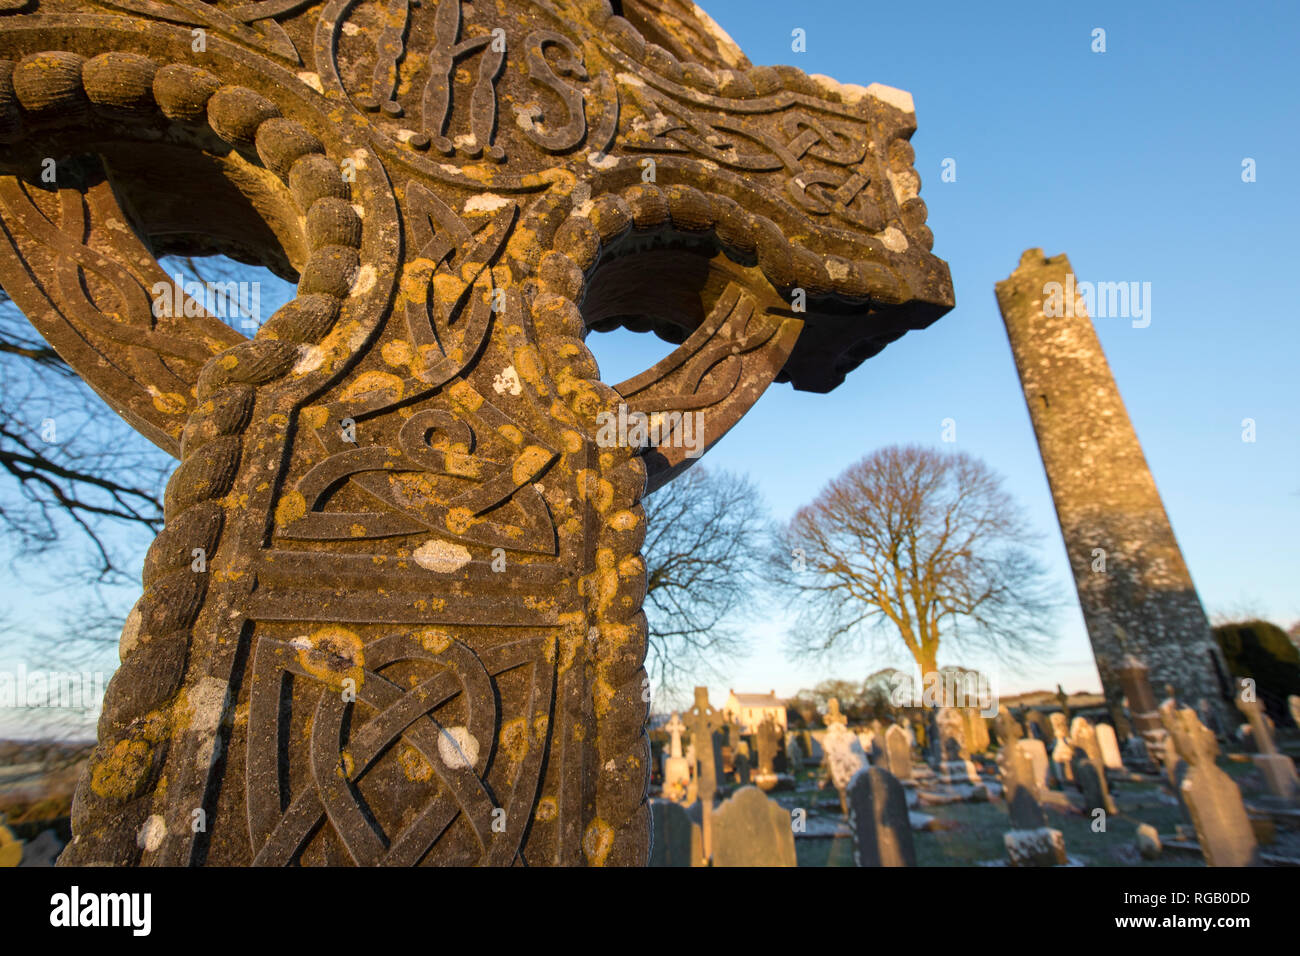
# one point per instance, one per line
(914, 545)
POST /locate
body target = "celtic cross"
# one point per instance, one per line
(416, 635)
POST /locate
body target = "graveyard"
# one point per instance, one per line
(982, 792)
(421, 568)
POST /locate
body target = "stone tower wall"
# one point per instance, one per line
(1141, 600)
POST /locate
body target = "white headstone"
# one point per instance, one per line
(1109, 744)
(844, 756)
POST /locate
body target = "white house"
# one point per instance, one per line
(750, 710)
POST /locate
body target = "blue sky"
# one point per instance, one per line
(1130, 162)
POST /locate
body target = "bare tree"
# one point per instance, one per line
(706, 539)
(80, 490)
(918, 545)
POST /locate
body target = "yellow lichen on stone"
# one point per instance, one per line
(434, 640)
(623, 520)
(597, 842)
(547, 810)
(462, 465)
(333, 655)
(315, 416)
(169, 403)
(463, 394)
(398, 352)
(122, 774)
(290, 508)
(530, 461)
(459, 520)
(385, 384)
(513, 739)
(414, 766)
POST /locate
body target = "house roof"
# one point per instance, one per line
(758, 700)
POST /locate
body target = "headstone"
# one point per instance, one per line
(43, 851)
(950, 735)
(751, 830)
(898, 753)
(1148, 842)
(1096, 790)
(1092, 784)
(677, 839)
(1109, 746)
(1293, 705)
(1062, 752)
(703, 720)
(882, 830)
(955, 765)
(677, 768)
(1025, 811)
(1134, 679)
(1043, 846)
(867, 739)
(977, 730)
(742, 769)
(833, 714)
(1278, 769)
(1036, 751)
(1038, 726)
(1213, 800)
(795, 752)
(768, 742)
(844, 758)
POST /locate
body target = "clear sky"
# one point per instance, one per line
(1130, 161)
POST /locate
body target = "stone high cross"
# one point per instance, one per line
(703, 720)
(418, 612)
(833, 715)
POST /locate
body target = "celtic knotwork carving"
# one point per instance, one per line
(399, 479)
(440, 728)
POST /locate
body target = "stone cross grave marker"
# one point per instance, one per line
(677, 768)
(703, 721)
(844, 757)
(1278, 769)
(404, 514)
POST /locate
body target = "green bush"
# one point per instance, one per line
(1262, 651)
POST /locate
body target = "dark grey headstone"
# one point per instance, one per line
(751, 830)
(676, 839)
(1026, 812)
(878, 815)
